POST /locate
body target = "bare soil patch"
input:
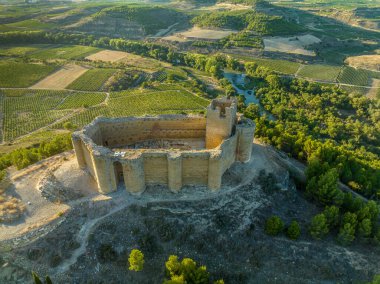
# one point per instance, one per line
(108, 56)
(371, 62)
(62, 78)
(372, 93)
(199, 33)
(294, 45)
(226, 6)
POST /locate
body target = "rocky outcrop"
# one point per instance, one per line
(52, 189)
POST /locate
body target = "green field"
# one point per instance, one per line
(320, 72)
(78, 100)
(358, 77)
(92, 80)
(138, 103)
(20, 50)
(65, 52)
(281, 66)
(28, 110)
(355, 90)
(18, 74)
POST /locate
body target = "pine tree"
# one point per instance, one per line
(136, 260)
(293, 232)
(346, 234)
(319, 227)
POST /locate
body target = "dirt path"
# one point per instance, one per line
(62, 78)
(375, 89)
(82, 238)
(299, 70)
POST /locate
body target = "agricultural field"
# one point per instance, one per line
(200, 33)
(279, 65)
(355, 90)
(21, 50)
(92, 80)
(62, 78)
(65, 52)
(128, 59)
(296, 44)
(371, 62)
(25, 111)
(78, 100)
(28, 110)
(32, 25)
(320, 72)
(18, 74)
(142, 102)
(354, 76)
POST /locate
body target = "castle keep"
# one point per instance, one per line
(171, 150)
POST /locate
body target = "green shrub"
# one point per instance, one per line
(186, 271)
(294, 230)
(274, 226)
(319, 227)
(332, 215)
(346, 234)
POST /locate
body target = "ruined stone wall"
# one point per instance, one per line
(137, 130)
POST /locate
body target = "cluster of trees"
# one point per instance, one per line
(24, 157)
(274, 226)
(152, 18)
(177, 272)
(323, 188)
(360, 220)
(338, 135)
(248, 20)
(212, 64)
(319, 123)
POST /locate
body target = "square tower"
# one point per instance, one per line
(220, 121)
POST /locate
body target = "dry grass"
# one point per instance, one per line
(11, 208)
(294, 45)
(62, 78)
(108, 56)
(371, 62)
(200, 33)
(127, 58)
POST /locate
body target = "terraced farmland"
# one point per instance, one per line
(19, 74)
(92, 80)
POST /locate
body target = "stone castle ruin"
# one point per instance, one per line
(170, 150)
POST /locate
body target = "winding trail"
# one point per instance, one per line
(82, 239)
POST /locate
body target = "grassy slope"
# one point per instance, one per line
(18, 74)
